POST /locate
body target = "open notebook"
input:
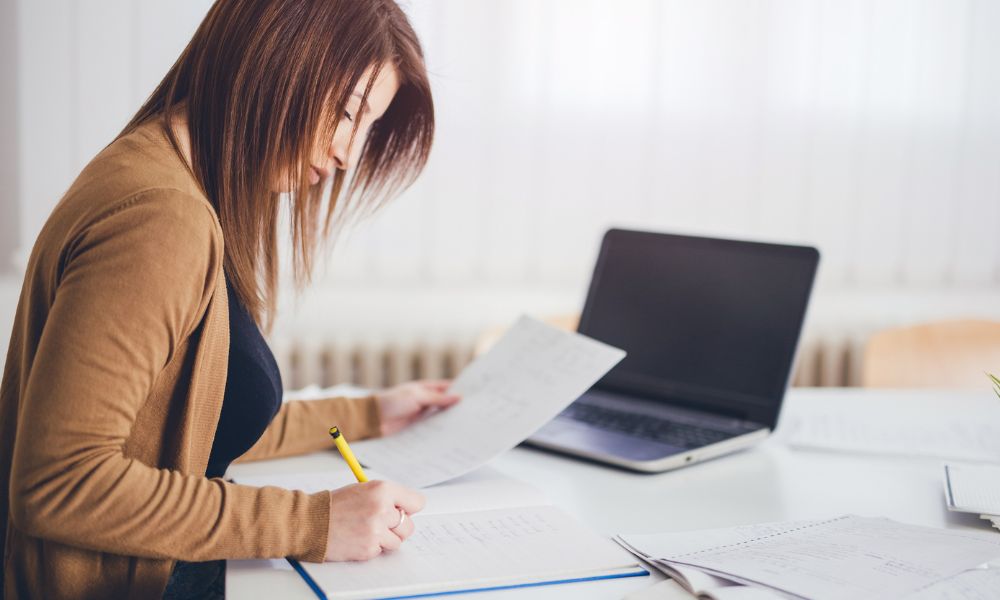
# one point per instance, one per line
(841, 558)
(477, 532)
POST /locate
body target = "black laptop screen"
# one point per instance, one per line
(707, 322)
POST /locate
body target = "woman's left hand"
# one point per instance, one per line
(405, 403)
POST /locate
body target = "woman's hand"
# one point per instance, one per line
(363, 519)
(405, 403)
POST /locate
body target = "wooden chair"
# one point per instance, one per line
(949, 354)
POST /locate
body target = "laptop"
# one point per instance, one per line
(711, 327)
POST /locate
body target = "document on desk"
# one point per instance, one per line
(525, 380)
(843, 558)
(959, 426)
(972, 488)
(480, 550)
(974, 584)
(695, 581)
(480, 530)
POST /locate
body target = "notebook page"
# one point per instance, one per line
(653, 546)
(849, 558)
(478, 549)
(692, 579)
(524, 381)
(663, 545)
(974, 584)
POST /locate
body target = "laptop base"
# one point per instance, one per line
(575, 439)
(600, 441)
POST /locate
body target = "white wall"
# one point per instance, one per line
(869, 128)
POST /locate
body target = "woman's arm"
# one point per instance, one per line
(302, 426)
(133, 287)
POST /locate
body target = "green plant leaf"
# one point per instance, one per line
(996, 383)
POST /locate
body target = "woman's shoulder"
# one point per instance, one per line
(138, 178)
(135, 198)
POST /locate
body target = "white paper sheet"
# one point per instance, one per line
(663, 545)
(974, 584)
(950, 426)
(652, 546)
(525, 380)
(844, 558)
(973, 488)
(476, 550)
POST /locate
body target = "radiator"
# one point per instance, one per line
(369, 364)
(828, 360)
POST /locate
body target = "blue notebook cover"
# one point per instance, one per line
(639, 572)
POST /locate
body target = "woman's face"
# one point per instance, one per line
(341, 154)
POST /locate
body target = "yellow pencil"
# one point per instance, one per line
(345, 451)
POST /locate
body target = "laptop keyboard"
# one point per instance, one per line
(646, 427)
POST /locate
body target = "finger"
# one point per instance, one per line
(405, 528)
(410, 500)
(438, 385)
(439, 400)
(392, 517)
(389, 540)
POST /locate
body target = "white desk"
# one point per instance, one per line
(770, 482)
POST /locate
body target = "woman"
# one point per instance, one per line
(137, 372)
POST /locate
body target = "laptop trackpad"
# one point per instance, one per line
(572, 435)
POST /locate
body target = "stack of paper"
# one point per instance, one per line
(974, 489)
(843, 558)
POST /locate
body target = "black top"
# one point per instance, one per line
(253, 390)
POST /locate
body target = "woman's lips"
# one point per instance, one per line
(316, 174)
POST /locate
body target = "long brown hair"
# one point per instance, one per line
(256, 84)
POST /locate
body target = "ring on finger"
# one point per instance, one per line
(402, 517)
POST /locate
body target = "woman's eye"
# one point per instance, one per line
(348, 116)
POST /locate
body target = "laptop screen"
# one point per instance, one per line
(707, 323)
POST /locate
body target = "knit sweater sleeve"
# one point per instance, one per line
(130, 288)
(301, 426)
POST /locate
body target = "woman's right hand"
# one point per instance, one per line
(363, 519)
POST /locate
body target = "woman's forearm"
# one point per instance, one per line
(301, 426)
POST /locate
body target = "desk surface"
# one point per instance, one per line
(770, 482)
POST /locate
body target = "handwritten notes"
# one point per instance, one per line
(525, 380)
(974, 584)
(842, 558)
(476, 550)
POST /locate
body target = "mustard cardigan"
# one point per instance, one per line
(111, 393)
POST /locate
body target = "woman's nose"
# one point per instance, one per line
(340, 156)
